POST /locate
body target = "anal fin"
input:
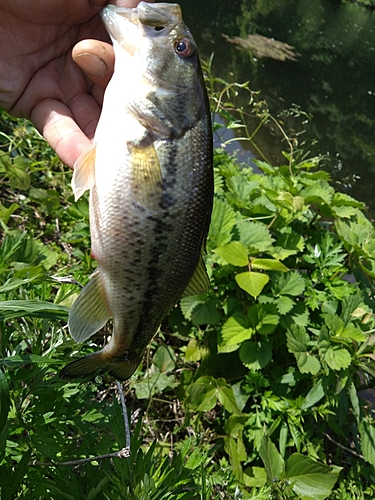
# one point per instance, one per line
(90, 312)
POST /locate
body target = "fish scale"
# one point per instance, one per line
(151, 188)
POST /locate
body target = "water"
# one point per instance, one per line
(333, 78)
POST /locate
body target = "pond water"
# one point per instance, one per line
(333, 77)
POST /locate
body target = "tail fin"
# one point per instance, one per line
(97, 363)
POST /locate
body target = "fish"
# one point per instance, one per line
(150, 176)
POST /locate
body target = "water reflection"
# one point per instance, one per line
(333, 78)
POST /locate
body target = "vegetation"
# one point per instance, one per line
(366, 3)
(256, 390)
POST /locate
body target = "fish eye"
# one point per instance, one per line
(184, 47)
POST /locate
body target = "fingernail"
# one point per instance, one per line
(91, 64)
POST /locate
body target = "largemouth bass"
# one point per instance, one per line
(151, 188)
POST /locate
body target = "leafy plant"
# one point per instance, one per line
(257, 389)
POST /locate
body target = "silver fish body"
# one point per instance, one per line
(151, 187)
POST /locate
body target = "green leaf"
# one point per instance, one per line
(284, 304)
(337, 359)
(272, 460)
(354, 400)
(223, 220)
(165, 358)
(5, 213)
(268, 265)
(235, 253)
(255, 477)
(290, 284)
(227, 399)
(234, 332)
(256, 355)
(315, 394)
(4, 401)
(39, 309)
(252, 282)
(195, 351)
(254, 235)
(297, 340)
(311, 479)
(367, 433)
(201, 395)
(286, 245)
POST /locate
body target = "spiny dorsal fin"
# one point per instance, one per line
(90, 312)
(84, 172)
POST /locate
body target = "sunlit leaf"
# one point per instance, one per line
(252, 282)
(309, 478)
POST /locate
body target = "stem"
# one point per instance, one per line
(126, 420)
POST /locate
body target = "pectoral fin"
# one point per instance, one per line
(146, 176)
(199, 282)
(84, 172)
(89, 312)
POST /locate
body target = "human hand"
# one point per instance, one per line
(42, 79)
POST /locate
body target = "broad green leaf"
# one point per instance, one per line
(201, 395)
(256, 355)
(17, 173)
(337, 359)
(234, 425)
(284, 304)
(206, 313)
(351, 332)
(235, 253)
(255, 477)
(311, 479)
(297, 340)
(4, 400)
(318, 192)
(272, 460)
(237, 454)
(342, 199)
(195, 351)
(254, 235)
(315, 394)
(223, 220)
(263, 317)
(39, 309)
(165, 358)
(268, 265)
(286, 245)
(252, 282)
(234, 332)
(5, 213)
(227, 399)
(367, 433)
(290, 284)
(188, 304)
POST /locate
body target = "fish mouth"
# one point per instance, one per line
(123, 24)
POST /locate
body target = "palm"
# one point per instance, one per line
(39, 79)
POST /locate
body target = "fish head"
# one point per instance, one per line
(157, 39)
